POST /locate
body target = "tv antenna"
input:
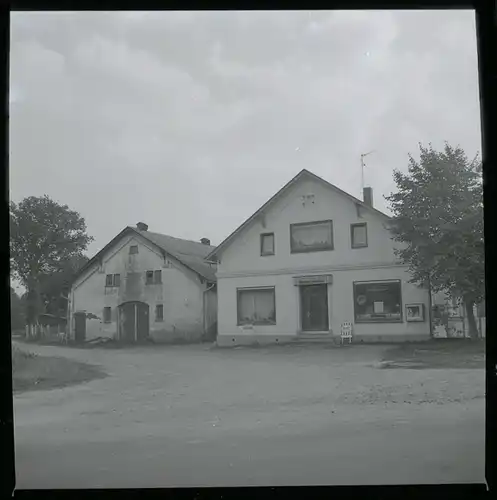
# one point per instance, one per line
(363, 155)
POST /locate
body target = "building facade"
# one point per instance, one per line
(312, 258)
(145, 285)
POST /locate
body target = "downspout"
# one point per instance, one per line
(430, 308)
(204, 292)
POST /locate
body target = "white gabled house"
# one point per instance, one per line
(310, 259)
(145, 285)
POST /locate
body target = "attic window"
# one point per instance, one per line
(133, 249)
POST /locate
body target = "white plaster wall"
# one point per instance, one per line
(180, 293)
(241, 265)
(244, 252)
(340, 304)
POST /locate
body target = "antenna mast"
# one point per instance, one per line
(363, 155)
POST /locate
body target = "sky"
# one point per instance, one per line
(190, 121)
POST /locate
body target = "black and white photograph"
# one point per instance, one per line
(235, 237)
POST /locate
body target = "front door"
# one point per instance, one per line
(134, 321)
(128, 322)
(314, 308)
(79, 327)
(142, 323)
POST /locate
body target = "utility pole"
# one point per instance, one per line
(363, 155)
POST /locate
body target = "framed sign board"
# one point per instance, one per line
(415, 312)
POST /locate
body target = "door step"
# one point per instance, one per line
(315, 338)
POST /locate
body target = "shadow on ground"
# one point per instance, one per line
(32, 372)
(437, 354)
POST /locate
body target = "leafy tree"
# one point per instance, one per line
(438, 218)
(54, 288)
(44, 237)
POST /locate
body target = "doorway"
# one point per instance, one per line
(133, 322)
(314, 308)
(79, 327)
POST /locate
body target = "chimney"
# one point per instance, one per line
(205, 241)
(367, 194)
(141, 226)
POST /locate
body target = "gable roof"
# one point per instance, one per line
(303, 174)
(190, 253)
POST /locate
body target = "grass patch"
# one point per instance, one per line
(440, 353)
(31, 372)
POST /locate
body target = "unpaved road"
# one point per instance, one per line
(187, 416)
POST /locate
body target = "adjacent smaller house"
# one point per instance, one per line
(143, 285)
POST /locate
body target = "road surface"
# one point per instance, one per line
(274, 421)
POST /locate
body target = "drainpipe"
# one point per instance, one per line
(204, 292)
(430, 307)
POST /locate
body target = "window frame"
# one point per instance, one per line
(147, 273)
(157, 272)
(265, 254)
(240, 290)
(352, 227)
(161, 308)
(109, 283)
(379, 320)
(131, 247)
(118, 280)
(327, 248)
(109, 319)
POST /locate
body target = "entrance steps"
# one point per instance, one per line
(316, 338)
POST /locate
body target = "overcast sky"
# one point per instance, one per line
(191, 121)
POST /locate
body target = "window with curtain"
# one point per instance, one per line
(378, 301)
(311, 236)
(256, 306)
(359, 235)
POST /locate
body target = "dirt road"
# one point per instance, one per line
(186, 416)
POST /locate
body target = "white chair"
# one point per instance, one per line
(346, 332)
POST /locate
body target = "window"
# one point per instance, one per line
(267, 244)
(153, 277)
(113, 280)
(378, 302)
(157, 277)
(133, 249)
(107, 314)
(159, 312)
(311, 236)
(256, 306)
(359, 235)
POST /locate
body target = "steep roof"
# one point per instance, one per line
(190, 253)
(302, 175)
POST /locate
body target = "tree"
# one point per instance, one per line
(44, 237)
(54, 288)
(438, 219)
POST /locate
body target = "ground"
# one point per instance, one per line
(195, 416)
